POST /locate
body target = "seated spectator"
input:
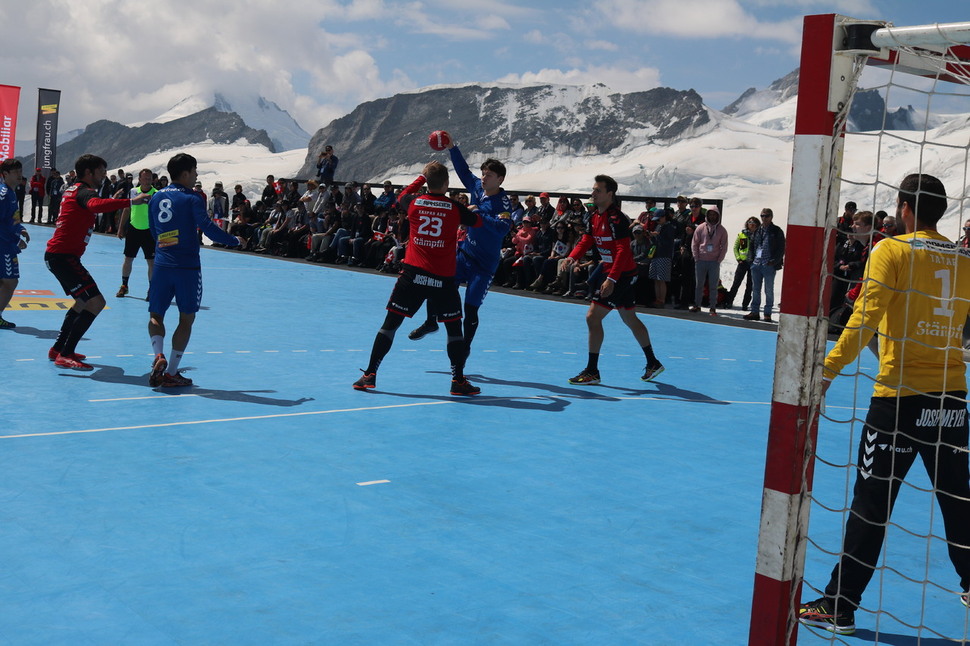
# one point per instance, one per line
(312, 196)
(368, 200)
(386, 199)
(238, 197)
(530, 209)
(269, 196)
(517, 211)
(351, 197)
(326, 228)
(527, 273)
(645, 216)
(562, 244)
(274, 222)
(351, 248)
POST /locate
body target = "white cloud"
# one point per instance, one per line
(618, 79)
(604, 45)
(691, 18)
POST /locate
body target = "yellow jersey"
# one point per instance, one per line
(916, 293)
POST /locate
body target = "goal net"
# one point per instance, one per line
(875, 104)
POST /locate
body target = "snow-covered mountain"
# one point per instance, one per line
(257, 113)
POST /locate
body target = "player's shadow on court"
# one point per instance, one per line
(116, 375)
(549, 404)
(601, 392)
(40, 334)
(892, 639)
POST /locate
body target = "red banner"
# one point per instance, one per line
(9, 102)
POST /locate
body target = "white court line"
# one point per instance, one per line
(214, 352)
(128, 399)
(372, 482)
(230, 419)
(25, 359)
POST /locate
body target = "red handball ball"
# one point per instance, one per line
(439, 140)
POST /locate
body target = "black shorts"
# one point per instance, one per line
(623, 296)
(136, 239)
(72, 276)
(413, 287)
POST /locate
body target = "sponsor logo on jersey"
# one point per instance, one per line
(168, 238)
(933, 417)
(428, 281)
(433, 203)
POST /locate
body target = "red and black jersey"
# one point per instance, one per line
(610, 232)
(76, 221)
(433, 221)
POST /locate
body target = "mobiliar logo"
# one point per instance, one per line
(9, 103)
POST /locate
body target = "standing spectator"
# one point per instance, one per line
(55, 192)
(13, 235)
(919, 398)
(174, 215)
(37, 182)
(64, 251)
(641, 247)
(218, 207)
(327, 166)
(238, 197)
(21, 192)
(133, 229)
(610, 234)
(660, 265)
(709, 247)
(742, 253)
(269, 197)
(768, 256)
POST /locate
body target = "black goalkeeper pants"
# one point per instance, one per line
(896, 431)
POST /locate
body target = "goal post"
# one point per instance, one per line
(835, 50)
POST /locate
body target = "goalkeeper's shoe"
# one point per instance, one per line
(651, 371)
(159, 366)
(463, 387)
(122, 291)
(175, 381)
(367, 382)
(821, 614)
(585, 378)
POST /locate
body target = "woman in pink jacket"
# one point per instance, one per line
(710, 245)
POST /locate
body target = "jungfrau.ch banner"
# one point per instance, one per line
(9, 102)
(48, 102)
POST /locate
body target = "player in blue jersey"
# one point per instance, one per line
(479, 253)
(175, 213)
(13, 235)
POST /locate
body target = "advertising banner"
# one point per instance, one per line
(9, 102)
(48, 102)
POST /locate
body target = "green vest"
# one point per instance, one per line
(139, 212)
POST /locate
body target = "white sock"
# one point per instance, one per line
(158, 343)
(173, 362)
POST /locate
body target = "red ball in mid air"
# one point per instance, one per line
(439, 140)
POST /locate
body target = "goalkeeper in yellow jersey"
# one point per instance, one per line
(916, 294)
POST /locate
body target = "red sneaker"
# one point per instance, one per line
(70, 362)
(159, 365)
(52, 355)
(175, 381)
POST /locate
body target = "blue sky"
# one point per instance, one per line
(318, 59)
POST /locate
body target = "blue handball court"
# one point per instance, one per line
(273, 504)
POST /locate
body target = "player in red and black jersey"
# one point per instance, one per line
(428, 274)
(610, 232)
(75, 224)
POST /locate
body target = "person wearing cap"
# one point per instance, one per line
(218, 206)
(386, 199)
(709, 246)
(546, 210)
(37, 182)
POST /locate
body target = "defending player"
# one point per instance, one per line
(916, 293)
(479, 253)
(610, 232)
(428, 274)
(13, 234)
(65, 248)
(134, 231)
(175, 214)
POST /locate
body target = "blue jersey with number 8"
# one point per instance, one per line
(174, 215)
